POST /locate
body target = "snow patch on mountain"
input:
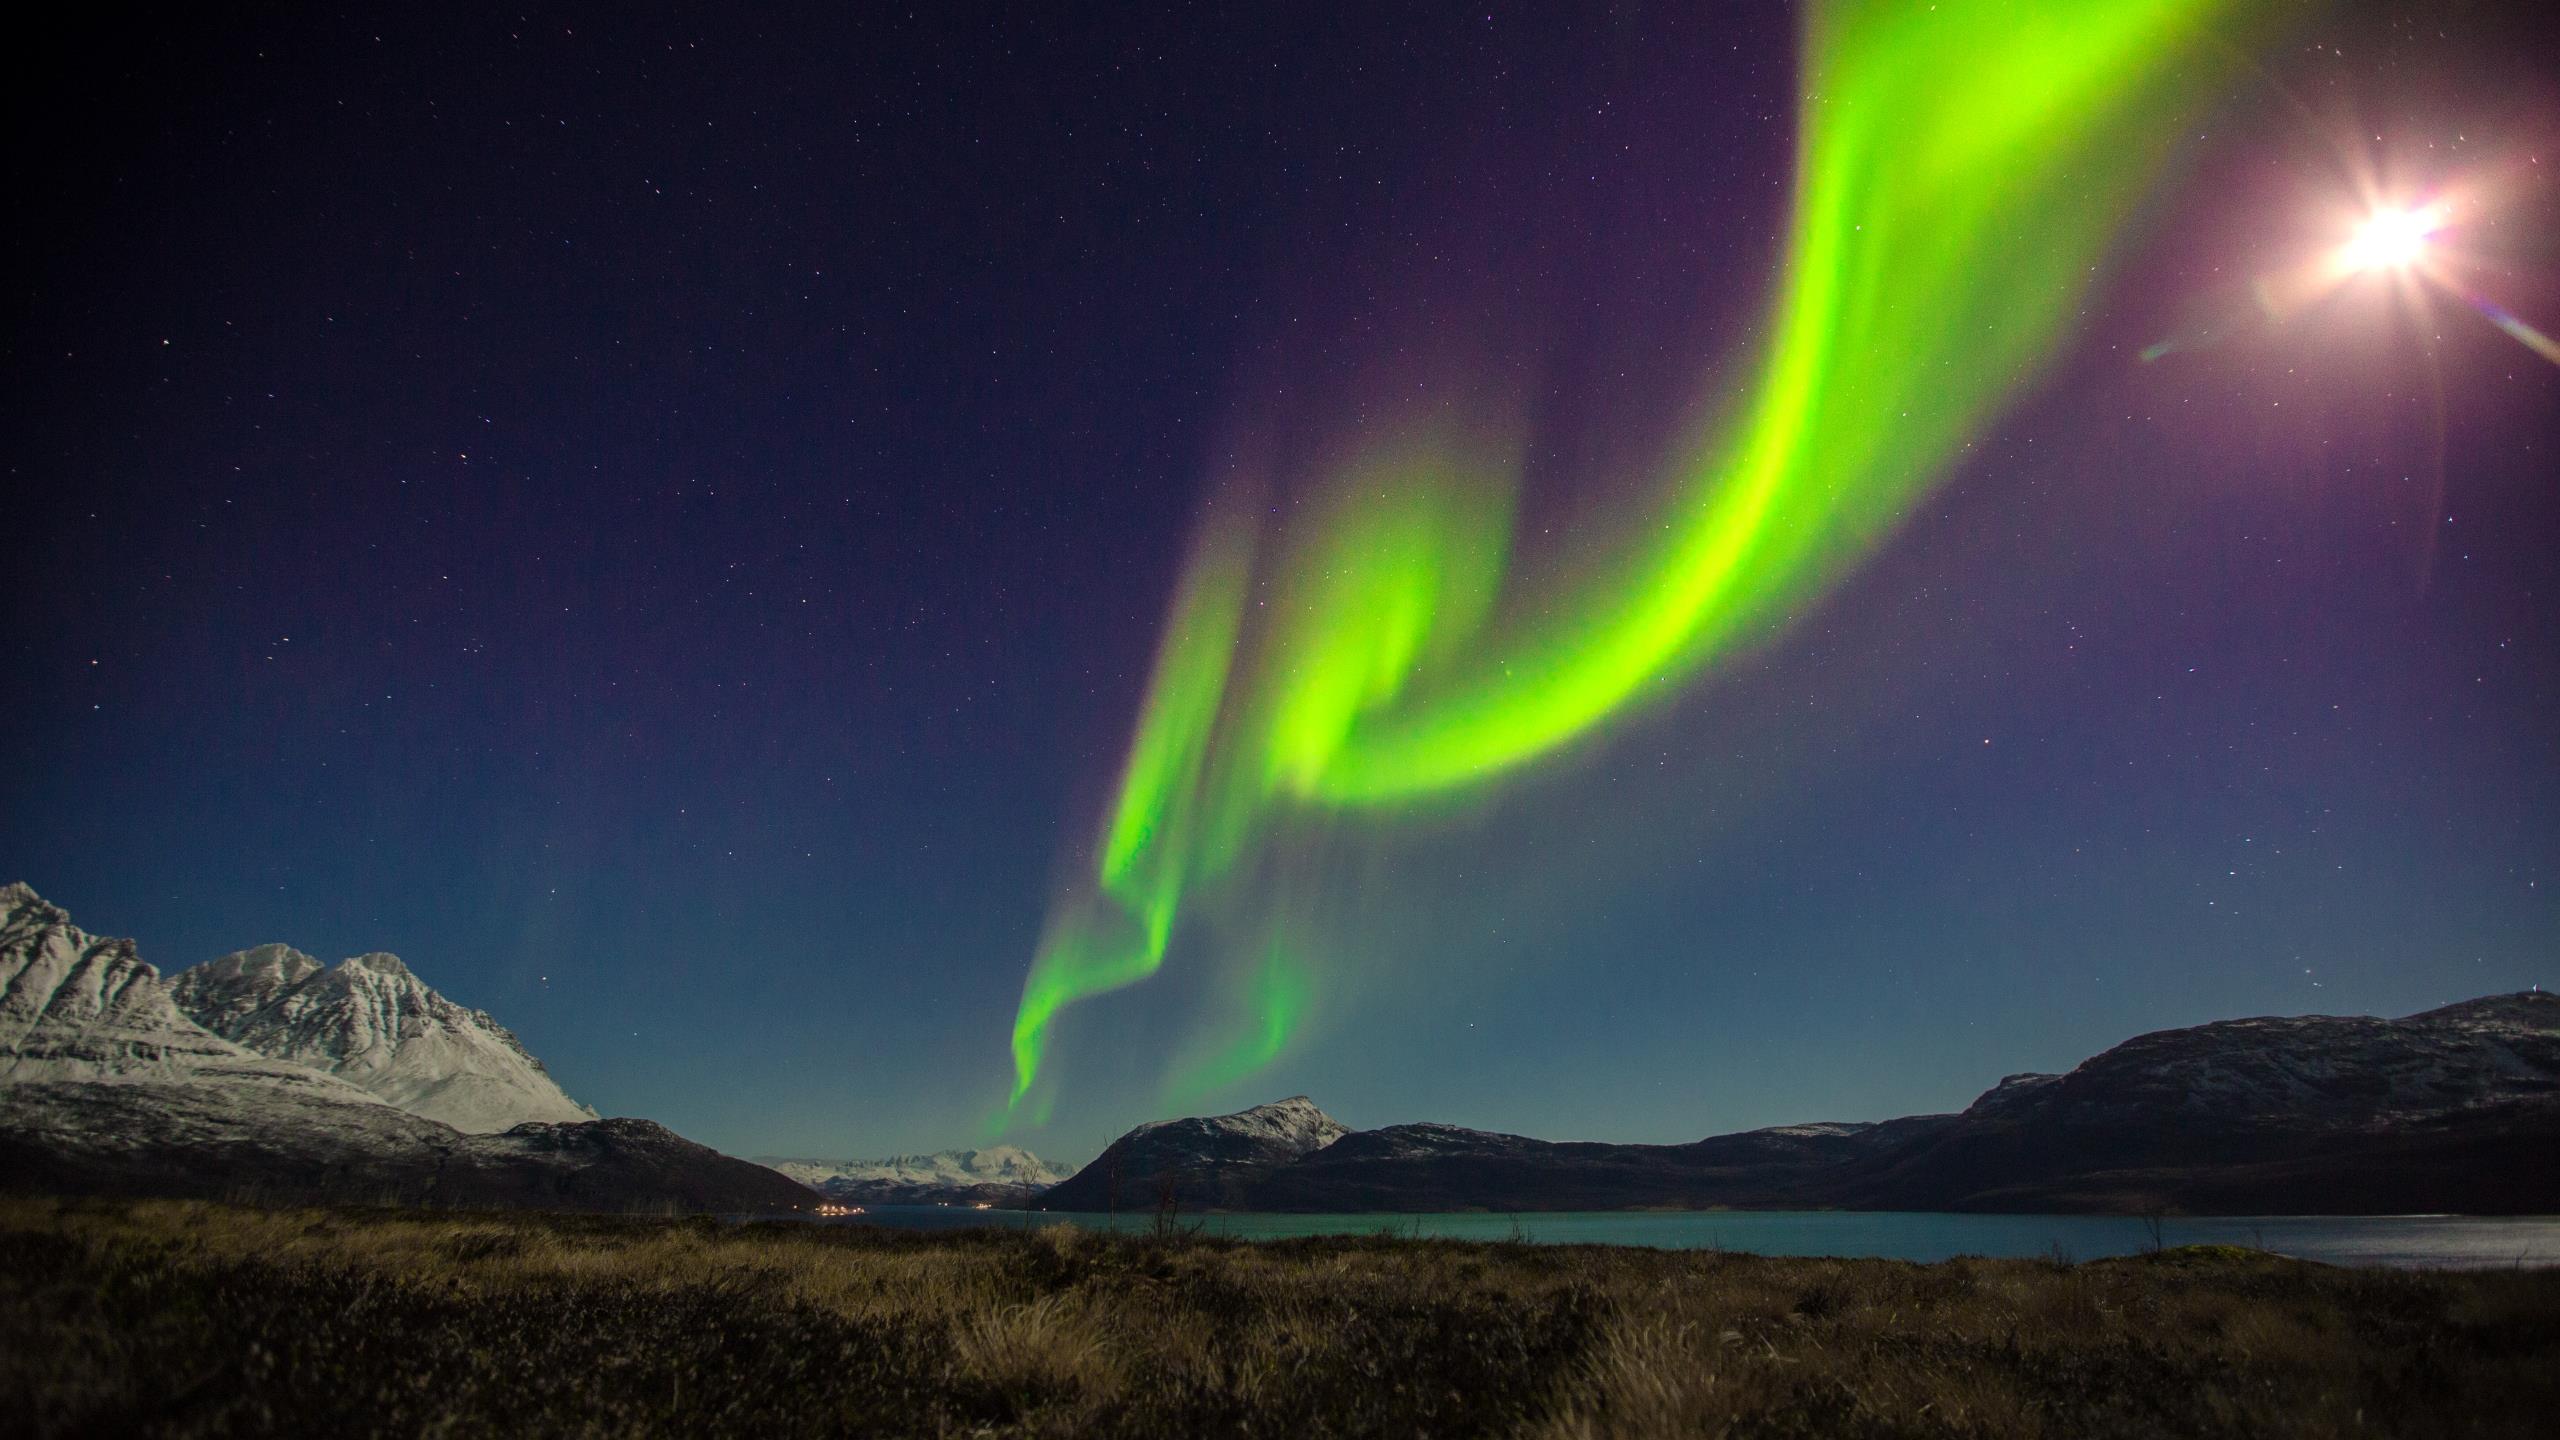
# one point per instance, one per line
(994, 1165)
(2304, 1073)
(373, 1023)
(78, 1008)
(1293, 1126)
(1816, 1129)
(1202, 1154)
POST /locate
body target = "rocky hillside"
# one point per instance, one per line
(220, 1142)
(79, 1007)
(106, 1087)
(376, 1025)
(2455, 1109)
(1207, 1160)
(1408, 1167)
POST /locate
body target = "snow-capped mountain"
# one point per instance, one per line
(78, 1007)
(1230, 1148)
(994, 1165)
(373, 1023)
(108, 1087)
(995, 1175)
(1291, 1127)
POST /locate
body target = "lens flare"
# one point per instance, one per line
(2523, 334)
(2392, 239)
(1960, 172)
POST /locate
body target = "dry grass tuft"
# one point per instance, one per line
(1035, 1349)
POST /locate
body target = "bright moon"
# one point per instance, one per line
(2390, 239)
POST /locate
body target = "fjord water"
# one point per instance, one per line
(2435, 1241)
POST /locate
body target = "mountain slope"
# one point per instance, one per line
(1415, 1167)
(2455, 1109)
(220, 1142)
(106, 1087)
(372, 1022)
(1204, 1160)
(77, 1007)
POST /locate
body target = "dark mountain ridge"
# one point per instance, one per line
(2453, 1109)
(188, 1141)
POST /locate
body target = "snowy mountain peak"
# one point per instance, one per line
(77, 1007)
(995, 1172)
(1164, 1150)
(380, 962)
(371, 1021)
(274, 958)
(1009, 1164)
(24, 912)
(1294, 1124)
(223, 990)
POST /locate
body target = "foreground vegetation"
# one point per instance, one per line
(169, 1318)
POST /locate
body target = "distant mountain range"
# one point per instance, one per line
(2456, 1109)
(265, 1075)
(996, 1175)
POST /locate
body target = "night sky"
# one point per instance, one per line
(664, 522)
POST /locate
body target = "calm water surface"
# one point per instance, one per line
(2454, 1241)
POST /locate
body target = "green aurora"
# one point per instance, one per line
(1961, 171)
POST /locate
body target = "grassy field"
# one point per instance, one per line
(197, 1319)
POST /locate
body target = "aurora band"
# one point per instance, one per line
(1961, 169)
